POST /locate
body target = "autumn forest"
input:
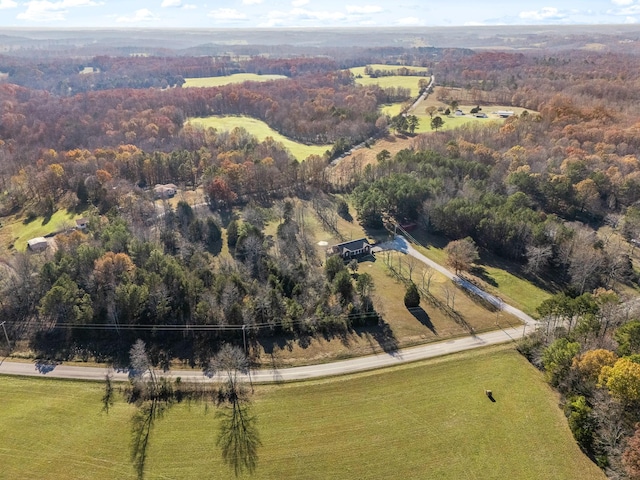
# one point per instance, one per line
(551, 194)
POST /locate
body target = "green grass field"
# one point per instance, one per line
(425, 420)
(15, 232)
(229, 79)
(393, 81)
(392, 109)
(391, 68)
(260, 130)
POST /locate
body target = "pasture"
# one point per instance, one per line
(380, 66)
(425, 420)
(228, 80)
(392, 81)
(260, 130)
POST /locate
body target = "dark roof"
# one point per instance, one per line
(353, 245)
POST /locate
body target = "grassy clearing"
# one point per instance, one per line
(260, 130)
(16, 233)
(392, 109)
(425, 420)
(379, 66)
(392, 81)
(229, 79)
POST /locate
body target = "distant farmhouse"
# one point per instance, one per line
(165, 191)
(37, 244)
(352, 249)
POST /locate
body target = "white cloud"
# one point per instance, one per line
(251, 2)
(189, 6)
(545, 13)
(226, 14)
(7, 4)
(299, 3)
(171, 3)
(298, 17)
(46, 11)
(408, 21)
(622, 2)
(363, 9)
(139, 16)
(630, 20)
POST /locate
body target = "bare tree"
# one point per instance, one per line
(537, 258)
(427, 273)
(411, 265)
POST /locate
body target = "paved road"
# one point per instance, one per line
(359, 364)
(342, 367)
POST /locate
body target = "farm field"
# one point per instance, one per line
(392, 81)
(229, 79)
(381, 66)
(260, 130)
(425, 420)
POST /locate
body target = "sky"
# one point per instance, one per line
(311, 13)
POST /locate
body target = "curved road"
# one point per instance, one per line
(342, 367)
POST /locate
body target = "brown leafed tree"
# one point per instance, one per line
(631, 456)
(461, 254)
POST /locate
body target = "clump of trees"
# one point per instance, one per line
(588, 350)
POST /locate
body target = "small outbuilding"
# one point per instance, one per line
(81, 223)
(37, 244)
(352, 249)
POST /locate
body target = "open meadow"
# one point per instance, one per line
(228, 80)
(425, 420)
(260, 130)
(405, 81)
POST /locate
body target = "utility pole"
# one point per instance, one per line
(6, 335)
(244, 338)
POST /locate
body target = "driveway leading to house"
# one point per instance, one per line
(401, 244)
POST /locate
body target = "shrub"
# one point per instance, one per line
(412, 296)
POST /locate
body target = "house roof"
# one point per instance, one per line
(353, 245)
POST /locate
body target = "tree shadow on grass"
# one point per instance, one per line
(423, 317)
(239, 439)
(142, 424)
(483, 275)
(385, 337)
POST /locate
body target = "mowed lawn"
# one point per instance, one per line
(229, 79)
(14, 232)
(425, 420)
(260, 130)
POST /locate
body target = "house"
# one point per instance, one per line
(81, 223)
(37, 244)
(165, 191)
(352, 249)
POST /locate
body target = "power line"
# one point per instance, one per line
(198, 328)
